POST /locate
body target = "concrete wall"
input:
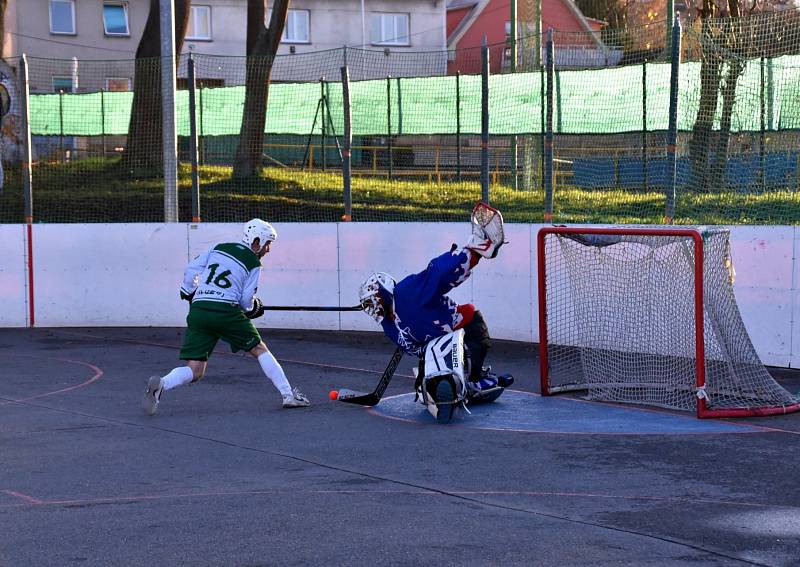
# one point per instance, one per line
(129, 274)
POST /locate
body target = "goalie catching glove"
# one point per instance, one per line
(257, 310)
(488, 234)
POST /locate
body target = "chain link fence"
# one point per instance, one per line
(566, 127)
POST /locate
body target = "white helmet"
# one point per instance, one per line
(369, 294)
(260, 229)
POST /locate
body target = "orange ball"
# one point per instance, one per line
(333, 394)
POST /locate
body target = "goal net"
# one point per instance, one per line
(648, 316)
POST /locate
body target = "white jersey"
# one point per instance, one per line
(226, 273)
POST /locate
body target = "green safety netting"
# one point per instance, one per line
(603, 101)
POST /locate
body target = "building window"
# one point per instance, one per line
(389, 29)
(63, 84)
(199, 23)
(115, 19)
(297, 27)
(62, 16)
(118, 84)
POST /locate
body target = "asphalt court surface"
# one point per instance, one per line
(223, 476)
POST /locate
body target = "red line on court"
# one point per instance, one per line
(98, 373)
(25, 497)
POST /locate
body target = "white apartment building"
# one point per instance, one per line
(87, 45)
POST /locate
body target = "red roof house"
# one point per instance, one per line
(468, 21)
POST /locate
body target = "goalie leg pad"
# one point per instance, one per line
(478, 343)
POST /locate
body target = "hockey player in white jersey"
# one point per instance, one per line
(221, 286)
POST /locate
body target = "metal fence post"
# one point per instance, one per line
(548, 137)
(644, 126)
(201, 150)
(169, 133)
(193, 140)
(458, 125)
(670, 18)
(672, 132)
(762, 178)
(542, 117)
(61, 125)
(399, 108)
(346, 151)
(103, 120)
(485, 121)
(514, 48)
(324, 102)
(389, 121)
(25, 134)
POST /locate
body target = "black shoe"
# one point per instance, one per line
(505, 380)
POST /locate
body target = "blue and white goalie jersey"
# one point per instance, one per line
(422, 309)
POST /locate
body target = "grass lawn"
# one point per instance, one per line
(100, 190)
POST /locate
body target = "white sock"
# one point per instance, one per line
(275, 373)
(177, 377)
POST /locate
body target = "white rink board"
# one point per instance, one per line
(504, 288)
(13, 275)
(763, 260)
(129, 274)
(113, 275)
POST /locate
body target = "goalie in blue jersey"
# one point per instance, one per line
(417, 310)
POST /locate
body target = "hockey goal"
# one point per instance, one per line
(648, 316)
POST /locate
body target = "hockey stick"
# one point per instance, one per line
(364, 399)
(310, 308)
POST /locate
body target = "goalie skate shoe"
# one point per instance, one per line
(152, 395)
(296, 400)
(502, 380)
(445, 401)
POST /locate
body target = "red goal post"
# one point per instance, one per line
(647, 315)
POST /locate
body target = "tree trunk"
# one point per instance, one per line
(717, 172)
(145, 145)
(262, 44)
(702, 131)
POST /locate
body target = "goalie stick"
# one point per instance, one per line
(364, 399)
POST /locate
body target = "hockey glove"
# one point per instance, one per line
(488, 234)
(257, 310)
(187, 296)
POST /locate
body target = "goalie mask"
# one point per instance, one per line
(375, 294)
(260, 229)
